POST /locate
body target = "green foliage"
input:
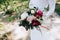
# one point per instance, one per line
(10, 16)
(58, 0)
(17, 6)
(57, 9)
(9, 19)
(13, 4)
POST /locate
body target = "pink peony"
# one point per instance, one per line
(35, 23)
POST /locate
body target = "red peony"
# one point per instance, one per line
(39, 14)
(35, 23)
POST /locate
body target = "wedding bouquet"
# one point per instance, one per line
(31, 18)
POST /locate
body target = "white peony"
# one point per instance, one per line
(24, 15)
(32, 11)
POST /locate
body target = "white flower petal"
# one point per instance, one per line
(32, 11)
(24, 15)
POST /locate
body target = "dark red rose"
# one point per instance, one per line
(39, 14)
(35, 23)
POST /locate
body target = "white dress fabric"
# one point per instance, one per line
(44, 34)
(41, 5)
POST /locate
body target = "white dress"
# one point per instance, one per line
(44, 34)
(42, 4)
